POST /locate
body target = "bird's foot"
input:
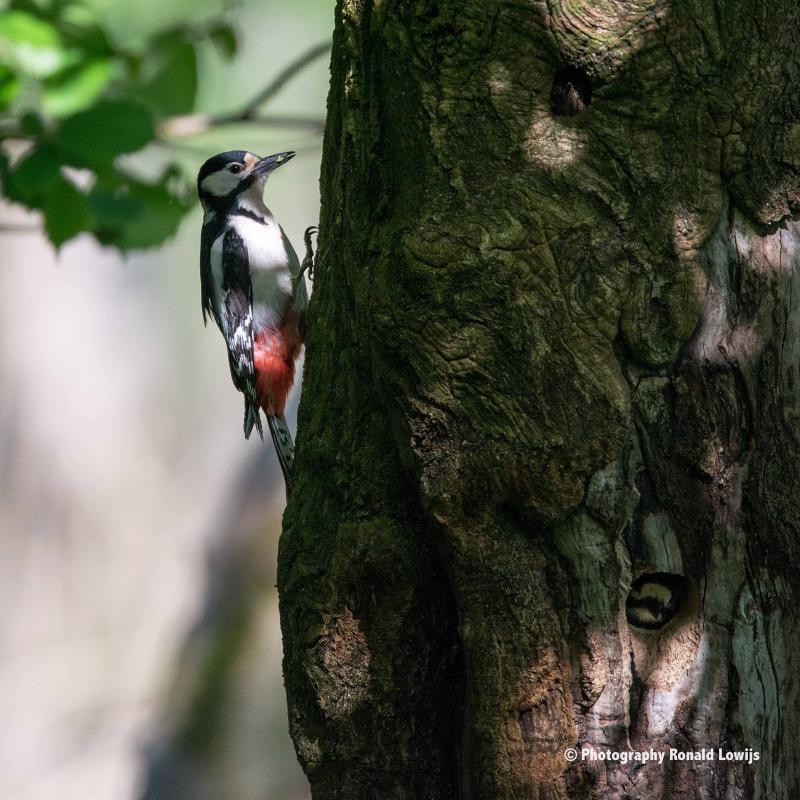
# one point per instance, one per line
(308, 261)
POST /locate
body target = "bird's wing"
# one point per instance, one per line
(299, 291)
(237, 308)
(291, 256)
(207, 238)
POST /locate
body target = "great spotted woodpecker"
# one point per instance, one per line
(655, 598)
(252, 285)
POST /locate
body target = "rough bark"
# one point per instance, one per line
(552, 348)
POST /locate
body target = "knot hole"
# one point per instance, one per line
(571, 92)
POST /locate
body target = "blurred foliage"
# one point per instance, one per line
(73, 102)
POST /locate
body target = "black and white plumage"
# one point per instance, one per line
(654, 599)
(252, 286)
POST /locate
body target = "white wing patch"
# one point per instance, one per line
(240, 341)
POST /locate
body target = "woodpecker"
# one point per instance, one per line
(654, 599)
(252, 286)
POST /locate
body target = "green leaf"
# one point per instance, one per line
(162, 215)
(23, 28)
(9, 87)
(78, 27)
(34, 177)
(172, 88)
(76, 87)
(112, 209)
(32, 124)
(4, 167)
(225, 40)
(29, 45)
(65, 212)
(93, 138)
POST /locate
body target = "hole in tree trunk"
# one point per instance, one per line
(654, 599)
(571, 92)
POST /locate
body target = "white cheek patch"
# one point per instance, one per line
(220, 183)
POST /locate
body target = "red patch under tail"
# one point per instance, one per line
(274, 354)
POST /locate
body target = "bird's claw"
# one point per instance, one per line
(308, 261)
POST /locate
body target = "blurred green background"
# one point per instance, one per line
(139, 640)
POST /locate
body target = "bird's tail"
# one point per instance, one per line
(252, 417)
(284, 446)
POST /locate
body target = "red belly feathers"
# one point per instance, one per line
(274, 353)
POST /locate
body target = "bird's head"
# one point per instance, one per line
(227, 176)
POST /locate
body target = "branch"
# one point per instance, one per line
(248, 113)
(193, 124)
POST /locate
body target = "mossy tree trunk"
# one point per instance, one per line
(553, 348)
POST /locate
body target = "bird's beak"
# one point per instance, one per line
(269, 163)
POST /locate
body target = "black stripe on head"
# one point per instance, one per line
(217, 162)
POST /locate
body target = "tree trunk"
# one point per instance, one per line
(548, 440)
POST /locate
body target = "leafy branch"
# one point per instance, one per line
(71, 104)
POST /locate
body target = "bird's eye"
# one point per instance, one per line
(235, 168)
